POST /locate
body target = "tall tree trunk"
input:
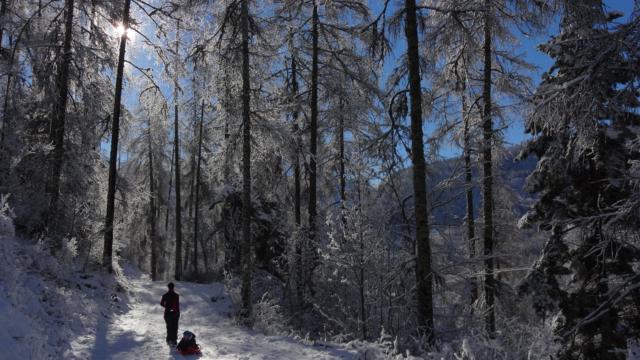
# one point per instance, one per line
(214, 244)
(363, 312)
(205, 257)
(197, 196)
(193, 149)
(313, 139)
(341, 161)
(487, 188)
(107, 254)
(3, 12)
(187, 252)
(424, 277)
(468, 179)
(247, 265)
(226, 169)
(176, 151)
(296, 128)
(56, 135)
(296, 196)
(152, 212)
(343, 182)
(5, 114)
(299, 283)
(5, 158)
(166, 214)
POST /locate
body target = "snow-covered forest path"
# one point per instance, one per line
(139, 333)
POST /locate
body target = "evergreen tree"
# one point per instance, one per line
(56, 135)
(583, 119)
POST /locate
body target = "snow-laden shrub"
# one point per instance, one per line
(69, 251)
(6, 215)
(268, 317)
(45, 263)
(232, 286)
(385, 348)
(64, 263)
(514, 341)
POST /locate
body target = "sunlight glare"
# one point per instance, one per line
(120, 30)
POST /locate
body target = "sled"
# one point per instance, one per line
(187, 345)
(191, 350)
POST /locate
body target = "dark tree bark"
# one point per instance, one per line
(247, 265)
(205, 257)
(4, 151)
(296, 197)
(192, 187)
(176, 152)
(296, 128)
(152, 212)
(3, 12)
(468, 179)
(343, 182)
(166, 214)
(193, 151)
(56, 135)
(487, 186)
(424, 278)
(299, 283)
(313, 150)
(196, 209)
(363, 311)
(187, 252)
(361, 285)
(107, 254)
(227, 135)
(341, 173)
(5, 113)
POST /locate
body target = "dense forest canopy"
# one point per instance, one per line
(352, 161)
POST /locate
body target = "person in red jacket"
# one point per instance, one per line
(171, 304)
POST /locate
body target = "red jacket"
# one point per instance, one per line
(170, 302)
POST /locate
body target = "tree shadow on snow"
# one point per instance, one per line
(115, 346)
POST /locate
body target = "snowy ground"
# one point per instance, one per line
(140, 332)
(50, 310)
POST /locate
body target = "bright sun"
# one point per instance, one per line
(120, 30)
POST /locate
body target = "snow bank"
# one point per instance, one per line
(17, 335)
(43, 304)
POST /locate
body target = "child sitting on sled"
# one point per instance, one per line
(187, 345)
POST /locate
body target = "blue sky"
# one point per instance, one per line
(514, 134)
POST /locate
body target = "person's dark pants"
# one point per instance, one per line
(171, 319)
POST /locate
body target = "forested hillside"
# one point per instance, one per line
(441, 179)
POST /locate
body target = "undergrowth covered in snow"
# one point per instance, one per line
(44, 302)
(47, 301)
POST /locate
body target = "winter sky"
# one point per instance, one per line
(513, 131)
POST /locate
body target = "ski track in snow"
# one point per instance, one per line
(140, 332)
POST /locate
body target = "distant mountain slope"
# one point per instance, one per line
(511, 175)
(447, 189)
